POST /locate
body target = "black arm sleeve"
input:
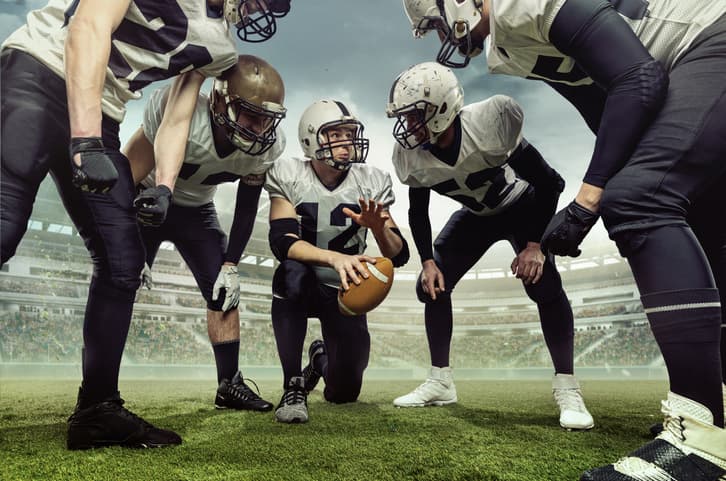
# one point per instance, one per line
(605, 47)
(589, 100)
(529, 164)
(245, 211)
(418, 220)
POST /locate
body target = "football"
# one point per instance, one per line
(364, 297)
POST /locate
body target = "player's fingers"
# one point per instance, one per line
(343, 279)
(538, 274)
(349, 213)
(369, 259)
(440, 280)
(353, 271)
(514, 265)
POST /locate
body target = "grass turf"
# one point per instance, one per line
(498, 431)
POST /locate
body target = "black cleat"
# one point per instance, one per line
(293, 407)
(309, 374)
(235, 394)
(108, 423)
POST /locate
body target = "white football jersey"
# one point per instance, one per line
(203, 169)
(519, 40)
(480, 179)
(156, 40)
(320, 210)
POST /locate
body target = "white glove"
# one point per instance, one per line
(229, 280)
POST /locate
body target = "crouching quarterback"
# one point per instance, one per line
(336, 198)
(476, 155)
(233, 136)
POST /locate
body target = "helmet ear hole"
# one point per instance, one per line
(443, 108)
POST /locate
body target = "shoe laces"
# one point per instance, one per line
(293, 396)
(672, 425)
(423, 387)
(130, 415)
(243, 391)
(569, 399)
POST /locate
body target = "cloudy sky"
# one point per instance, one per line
(352, 51)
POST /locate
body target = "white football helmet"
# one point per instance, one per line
(254, 88)
(255, 20)
(313, 129)
(424, 99)
(454, 20)
(424, 16)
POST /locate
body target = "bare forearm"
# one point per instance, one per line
(388, 242)
(305, 252)
(171, 138)
(87, 49)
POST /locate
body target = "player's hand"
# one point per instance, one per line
(91, 169)
(373, 215)
(152, 204)
(432, 279)
(228, 280)
(529, 264)
(350, 268)
(567, 229)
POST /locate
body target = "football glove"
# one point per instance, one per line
(228, 280)
(151, 205)
(567, 229)
(97, 173)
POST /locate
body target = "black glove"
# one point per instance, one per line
(152, 204)
(567, 229)
(97, 172)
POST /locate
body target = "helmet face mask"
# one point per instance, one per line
(424, 100)
(461, 16)
(325, 127)
(247, 104)
(255, 20)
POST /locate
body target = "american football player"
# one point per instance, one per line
(476, 155)
(66, 77)
(648, 77)
(238, 140)
(321, 209)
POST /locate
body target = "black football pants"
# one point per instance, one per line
(35, 139)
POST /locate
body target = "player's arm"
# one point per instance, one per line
(286, 243)
(171, 139)
(600, 41)
(169, 148)
(432, 279)
(376, 217)
(140, 153)
(87, 50)
(529, 164)
(245, 212)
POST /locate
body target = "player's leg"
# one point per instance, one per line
(644, 208)
(347, 346)
(705, 221)
(459, 245)
(107, 224)
(294, 287)
(34, 131)
(201, 242)
(557, 323)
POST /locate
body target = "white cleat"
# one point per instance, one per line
(567, 394)
(689, 448)
(437, 390)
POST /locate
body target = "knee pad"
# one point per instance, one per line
(629, 241)
(348, 396)
(127, 276)
(293, 280)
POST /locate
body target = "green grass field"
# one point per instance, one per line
(497, 431)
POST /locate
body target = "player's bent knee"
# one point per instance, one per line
(426, 299)
(291, 279)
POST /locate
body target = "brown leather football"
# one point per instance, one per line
(364, 297)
